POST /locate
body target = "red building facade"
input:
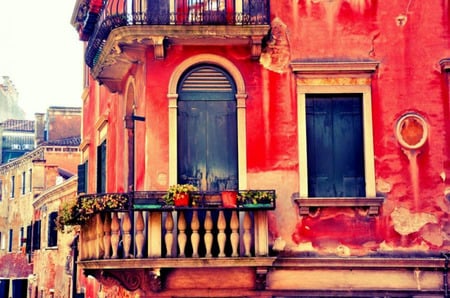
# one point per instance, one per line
(341, 107)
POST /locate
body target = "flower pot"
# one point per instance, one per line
(181, 200)
(229, 199)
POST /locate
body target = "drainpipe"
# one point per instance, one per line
(445, 275)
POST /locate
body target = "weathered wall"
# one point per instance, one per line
(408, 39)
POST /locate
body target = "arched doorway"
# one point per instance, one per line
(207, 150)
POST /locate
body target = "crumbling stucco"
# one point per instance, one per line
(406, 222)
(276, 54)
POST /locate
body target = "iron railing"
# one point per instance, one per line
(119, 13)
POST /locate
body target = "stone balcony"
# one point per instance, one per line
(148, 237)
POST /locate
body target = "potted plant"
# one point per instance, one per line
(79, 210)
(178, 194)
(255, 198)
(68, 216)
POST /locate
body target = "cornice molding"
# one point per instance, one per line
(334, 67)
(37, 154)
(57, 192)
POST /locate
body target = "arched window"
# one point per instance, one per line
(207, 150)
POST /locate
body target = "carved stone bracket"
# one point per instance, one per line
(131, 280)
(260, 281)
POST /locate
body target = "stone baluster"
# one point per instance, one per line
(91, 235)
(107, 235)
(99, 247)
(221, 237)
(182, 238)
(169, 233)
(195, 237)
(139, 238)
(247, 237)
(84, 240)
(115, 230)
(126, 227)
(208, 235)
(234, 225)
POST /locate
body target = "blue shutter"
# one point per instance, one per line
(335, 146)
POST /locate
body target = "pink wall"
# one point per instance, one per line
(408, 79)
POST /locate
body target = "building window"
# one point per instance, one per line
(29, 238)
(37, 235)
(101, 168)
(335, 152)
(82, 177)
(13, 186)
(10, 244)
(52, 239)
(22, 240)
(1, 190)
(207, 123)
(335, 97)
(233, 78)
(30, 187)
(23, 183)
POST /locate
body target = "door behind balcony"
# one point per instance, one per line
(207, 129)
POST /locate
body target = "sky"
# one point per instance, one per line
(41, 53)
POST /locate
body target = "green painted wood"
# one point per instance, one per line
(335, 146)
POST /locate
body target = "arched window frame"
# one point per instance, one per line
(241, 96)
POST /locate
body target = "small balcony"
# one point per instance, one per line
(119, 30)
(143, 236)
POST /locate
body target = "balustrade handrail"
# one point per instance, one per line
(119, 13)
(205, 230)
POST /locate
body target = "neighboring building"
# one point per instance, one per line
(340, 106)
(53, 261)
(9, 105)
(21, 136)
(17, 138)
(43, 178)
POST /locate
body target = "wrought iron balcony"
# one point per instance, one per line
(206, 234)
(110, 26)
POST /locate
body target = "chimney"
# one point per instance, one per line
(39, 129)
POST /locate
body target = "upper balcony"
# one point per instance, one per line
(118, 31)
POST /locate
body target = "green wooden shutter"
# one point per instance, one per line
(52, 239)
(207, 129)
(101, 168)
(82, 177)
(335, 146)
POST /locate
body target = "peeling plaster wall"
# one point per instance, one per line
(408, 39)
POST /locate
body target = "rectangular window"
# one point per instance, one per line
(29, 238)
(335, 131)
(82, 177)
(1, 190)
(23, 183)
(10, 243)
(37, 235)
(21, 237)
(335, 150)
(52, 239)
(30, 186)
(101, 168)
(13, 186)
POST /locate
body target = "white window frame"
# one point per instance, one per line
(353, 77)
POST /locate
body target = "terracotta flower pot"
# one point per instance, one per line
(229, 199)
(181, 200)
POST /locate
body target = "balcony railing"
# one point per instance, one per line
(148, 229)
(119, 13)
